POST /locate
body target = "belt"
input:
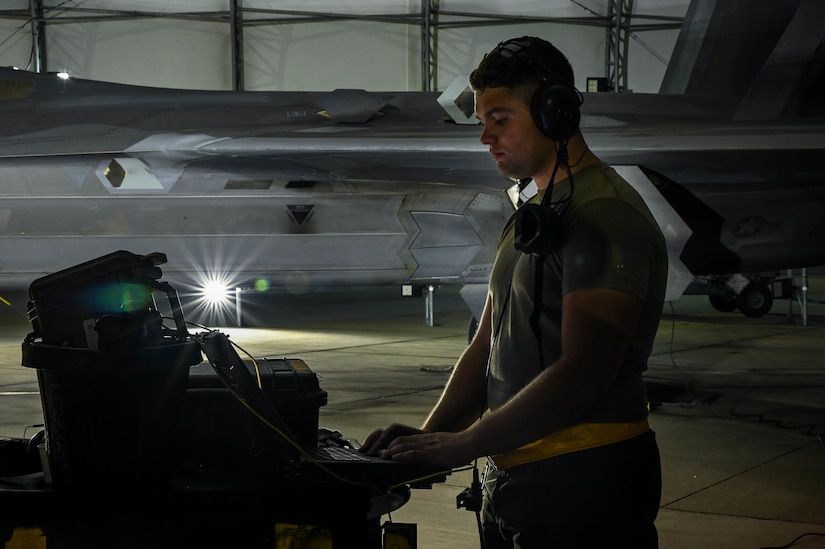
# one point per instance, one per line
(571, 439)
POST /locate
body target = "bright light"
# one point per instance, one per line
(215, 292)
(215, 298)
(213, 287)
(63, 75)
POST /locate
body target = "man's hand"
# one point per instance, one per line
(446, 449)
(403, 443)
(379, 439)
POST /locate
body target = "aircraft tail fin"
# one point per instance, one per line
(771, 54)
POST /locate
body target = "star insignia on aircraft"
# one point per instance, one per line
(749, 226)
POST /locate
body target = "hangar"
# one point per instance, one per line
(737, 401)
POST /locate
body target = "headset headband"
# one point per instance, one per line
(520, 49)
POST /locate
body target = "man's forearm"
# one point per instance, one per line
(464, 399)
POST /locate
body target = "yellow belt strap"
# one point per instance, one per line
(571, 439)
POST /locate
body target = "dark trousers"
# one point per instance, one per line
(605, 497)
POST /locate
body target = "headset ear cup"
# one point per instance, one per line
(537, 230)
(555, 111)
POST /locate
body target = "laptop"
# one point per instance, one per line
(333, 455)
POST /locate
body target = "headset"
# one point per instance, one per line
(555, 104)
(555, 110)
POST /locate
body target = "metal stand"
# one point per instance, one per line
(238, 308)
(801, 295)
(429, 297)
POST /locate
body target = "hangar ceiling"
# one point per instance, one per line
(621, 21)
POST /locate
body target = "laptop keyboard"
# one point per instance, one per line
(337, 453)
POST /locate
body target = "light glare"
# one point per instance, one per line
(215, 292)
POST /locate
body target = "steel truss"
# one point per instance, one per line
(619, 24)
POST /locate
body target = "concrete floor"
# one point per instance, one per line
(739, 415)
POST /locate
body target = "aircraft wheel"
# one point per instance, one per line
(725, 303)
(472, 328)
(755, 300)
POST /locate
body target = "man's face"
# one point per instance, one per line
(518, 148)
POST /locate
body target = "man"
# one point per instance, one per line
(551, 385)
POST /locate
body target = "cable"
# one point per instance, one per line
(428, 477)
(9, 37)
(28, 23)
(254, 363)
(649, 49)
(284, 436)
(241, 349)
(811, 429)
(562, 158)
(672, 359)
(472, 499)
(479, 525)
(807, 429)
(820, 534)
(287, 438)
(633, 35)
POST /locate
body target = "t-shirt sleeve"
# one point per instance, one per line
(608, 244)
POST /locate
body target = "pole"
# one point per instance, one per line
(236, 19)
(238, 308)
(36, 8)
(428, 301)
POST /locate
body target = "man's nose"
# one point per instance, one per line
(486, 135)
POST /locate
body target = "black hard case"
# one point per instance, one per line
(218, 430)
(66, 306)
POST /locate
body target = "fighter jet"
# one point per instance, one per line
(299, 189)
(243, 189)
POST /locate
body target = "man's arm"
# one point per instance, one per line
(596, 326)
(464, 398)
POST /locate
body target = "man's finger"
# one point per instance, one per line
(371, 443)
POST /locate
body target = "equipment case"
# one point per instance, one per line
(106, 303)
(217, 430)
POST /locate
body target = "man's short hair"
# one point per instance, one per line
(534, 62)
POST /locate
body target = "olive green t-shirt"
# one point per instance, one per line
(608, 239)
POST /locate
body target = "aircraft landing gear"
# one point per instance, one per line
(755, 300)
(724, 303)
(752, 295)
(472, 328)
